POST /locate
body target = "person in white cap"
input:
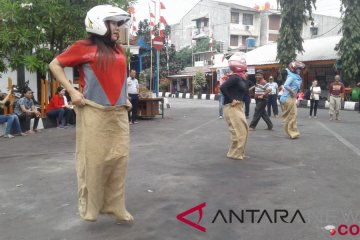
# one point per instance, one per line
(102, 127)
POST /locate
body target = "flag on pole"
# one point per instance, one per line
(162, 21)
(162, 6)
(133, 24)
(152, 23)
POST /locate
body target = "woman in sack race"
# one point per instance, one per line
(233, 90)
(102, 127)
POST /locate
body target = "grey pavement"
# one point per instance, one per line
(180, 161)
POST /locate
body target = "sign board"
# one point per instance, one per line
(251, 70)
(158, 43)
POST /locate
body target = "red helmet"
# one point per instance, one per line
(295, 65)
(237, 62)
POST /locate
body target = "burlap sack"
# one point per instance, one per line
(238, 128)
(290, 118)
(102, 148)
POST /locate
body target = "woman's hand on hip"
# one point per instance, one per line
(77, 99)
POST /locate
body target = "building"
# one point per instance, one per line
(232, 24)
(319, 56)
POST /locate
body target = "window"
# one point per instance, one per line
(274, 22)
(198, 24)
(247, 19)
(273, 37)
(235, 17)
(206, 22)
(234, 40)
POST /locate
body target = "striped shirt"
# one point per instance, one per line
(261, 88)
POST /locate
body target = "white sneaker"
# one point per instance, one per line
(220, 117)
(8, 136)
(315, 117)
(310, 117)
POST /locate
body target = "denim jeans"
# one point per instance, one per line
(134, 99)
(247, 100)
(10, 119)
(221, 105)
(272, 103)
(59, 114)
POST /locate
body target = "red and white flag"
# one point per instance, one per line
(151, 23)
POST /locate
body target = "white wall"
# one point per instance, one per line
(4, 80)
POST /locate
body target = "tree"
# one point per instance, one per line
(202, 45)
(199, 81)
(292, 19)
(165, 52)
(32, 34)
(349, 45)
(184, 56)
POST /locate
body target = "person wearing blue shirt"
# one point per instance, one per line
(288, 99)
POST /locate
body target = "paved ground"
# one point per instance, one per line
(179, 162)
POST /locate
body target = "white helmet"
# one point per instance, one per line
(96, 17)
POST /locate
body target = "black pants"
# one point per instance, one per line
(25, 121)
(261, 113)
(272, 102)
(134, 99)
(247, 100)
(313, 106)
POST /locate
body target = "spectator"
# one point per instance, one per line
(221, 96)
(10, 119)
(315, 92)
(335, 97)
(272, 99)
(25, 109)
(57, 108)
(247, 98)
(133, 91)
(358, 84)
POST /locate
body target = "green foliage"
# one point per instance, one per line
(33, 34)
(292, 19)
(184, 57)
(174, 63)
(349, 45)
(202, 45)
(142, 78)
(164, 84)
(199, 81)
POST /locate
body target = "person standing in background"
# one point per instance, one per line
(133, 92)
(315, 92)
(272, 99)
(335, 97)
(247, 98)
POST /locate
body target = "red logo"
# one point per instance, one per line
(344, 230)
(198, 208)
